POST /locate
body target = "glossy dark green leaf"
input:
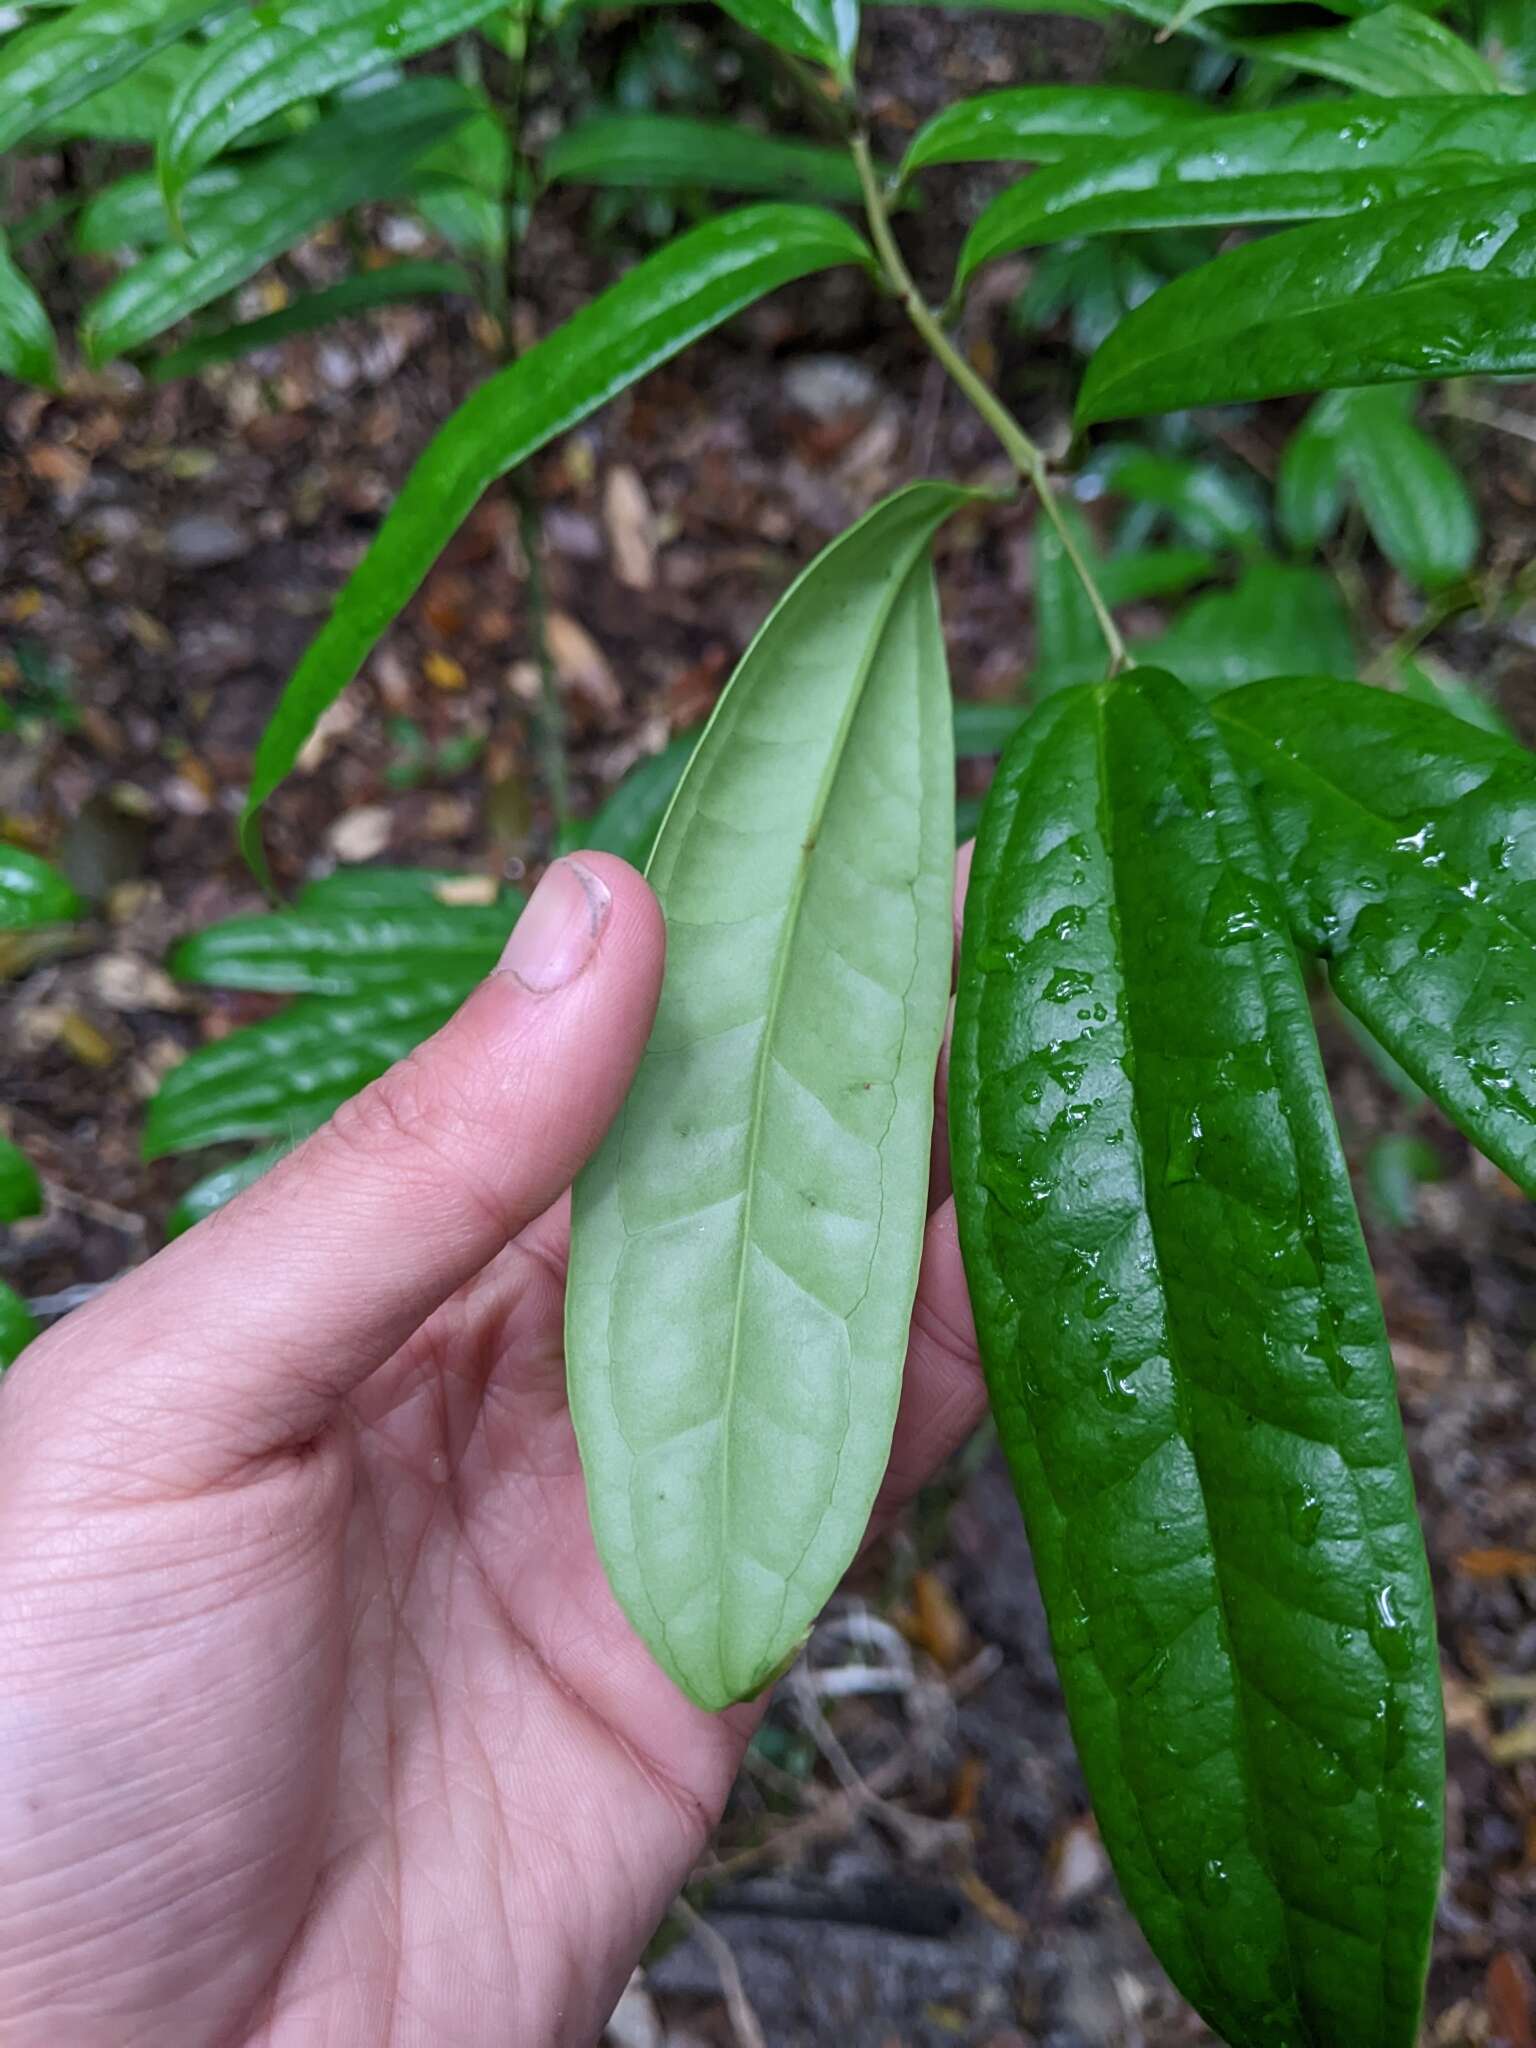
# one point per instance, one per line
(390, 888)
(1418, 509)
(825, 31)
(1191, 1377)
(364, 150)
(1276, 619)
(131, 109)
(130, 212)
(1287, 163)
(390, 286)
(347, 949)
(59, 62)
(1040, 123)
(1406, 843)
(26, 337)
(32, 892)
(1437, 287)
(685, 289)
(280, 1078)
(744, 1247)
(651, 150)
(17, 1325)
(1392, 50)
(289, 50)
(215, 1189)
(21, 1192)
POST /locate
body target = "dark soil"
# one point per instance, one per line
(167, 553)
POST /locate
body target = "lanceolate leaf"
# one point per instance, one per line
(1413, 497)
(26, 338)
(292, 50)
(1214, 507)
(48, 68)
(32, 892)
(1436, 287)
(130, 212)
(1191, 1377)
(669, 149)
(387, 287)
(1039, 123)
(1406, 843)
(17, 1326)
(1069, 647)
(350, 948)
(364, 150)
(1311, 486)
(681, 292)
(281, 1078)
(825, 31)
(744, 1247)
(1431, 682)
(1277, 618)
(1287, 163)
(1392, 50)
(21, 1192)
(628, 821)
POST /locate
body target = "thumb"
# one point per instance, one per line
(242, 1337)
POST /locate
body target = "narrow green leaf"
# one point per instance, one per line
(744, 1247)
(1286, 163)
(1140, 573)
(651, 150)
(1393, 50)
(1311, 487)
(32, 892)
(1429, 680)
(130, 212)
(1191, 1377)
(347, 948)
(1040, 123)
(1069, 647)
(390, 286)
(825, 31)
(131, 109)
(1415, 503)
(1276, 619)
(46, 69)
(387, 888)
(17, 1325)
(681, 292)
(1406, 844)
(1437, 287)
(21, 1192)
(986, 728)
(26, 337)
(364, 150)
(1214, 507)
(216, 1189)
(290, 50)
(282, 1077)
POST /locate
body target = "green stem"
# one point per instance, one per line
(1026, 456)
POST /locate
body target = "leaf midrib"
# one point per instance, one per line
(764, 1061)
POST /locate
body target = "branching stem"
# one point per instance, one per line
(1025, 455)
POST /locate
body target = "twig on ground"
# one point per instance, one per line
(744, 2021)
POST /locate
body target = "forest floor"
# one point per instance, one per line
(927, 1872)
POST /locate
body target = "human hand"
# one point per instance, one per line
(320, 1724)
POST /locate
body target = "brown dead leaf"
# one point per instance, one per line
(581, 664)
(1078, 1862)
(443, 672)
(362, 834)
(129, 983)
(1510, 1992)
(1495, 1563)
(934, 1623)
(965, 1792)
(631, 526)
(447, 602)
(65, 468)
(81, 1038)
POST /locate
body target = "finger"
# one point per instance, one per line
(943, 1396)
(939, 1181)
(247, 1332)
